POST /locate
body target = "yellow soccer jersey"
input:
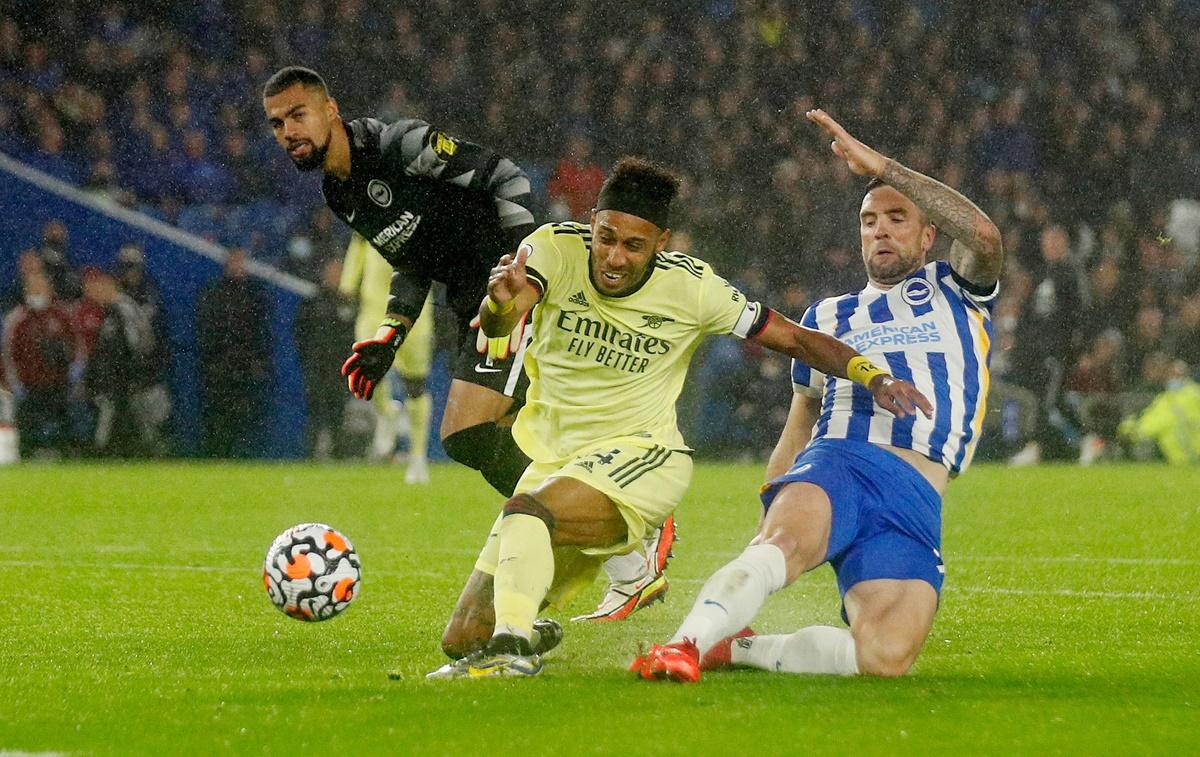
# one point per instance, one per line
(605, 367)
(367, 276)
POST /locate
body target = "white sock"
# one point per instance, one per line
(733, 596)
(816, 649)
(623, 569)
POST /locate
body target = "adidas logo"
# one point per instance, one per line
(579, 299)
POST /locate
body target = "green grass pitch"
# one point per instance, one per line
(135, 622)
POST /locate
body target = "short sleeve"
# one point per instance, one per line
(725, 310)
(805, 379)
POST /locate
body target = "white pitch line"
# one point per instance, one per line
(1084, 594)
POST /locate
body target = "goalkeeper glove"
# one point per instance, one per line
(499, 347)
(372, 359)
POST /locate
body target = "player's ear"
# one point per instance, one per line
(331, 108)
(663, 239)
(928, 234)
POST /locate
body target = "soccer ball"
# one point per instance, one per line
(311, 572)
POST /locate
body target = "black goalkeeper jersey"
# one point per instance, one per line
(435, 207)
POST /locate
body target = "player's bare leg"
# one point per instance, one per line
(890, 620)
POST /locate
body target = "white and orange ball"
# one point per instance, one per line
(312, 572)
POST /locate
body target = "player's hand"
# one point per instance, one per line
(499, 347)
(861, 159)
(371, 361)
(899, 397)
(507, 279)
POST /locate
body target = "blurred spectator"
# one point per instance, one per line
(118, 372)
(576, 181)
(1092, 395)
(1173, 419)
(39, 353)
(234, 355)
(56, 261)
(1046, 340)
(324, 329)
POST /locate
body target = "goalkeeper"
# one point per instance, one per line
(436, 208)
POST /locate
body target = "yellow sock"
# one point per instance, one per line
(419, 410)
(524, 573)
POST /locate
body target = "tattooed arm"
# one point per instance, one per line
(977, 254)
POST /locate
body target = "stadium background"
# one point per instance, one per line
(1072, 124)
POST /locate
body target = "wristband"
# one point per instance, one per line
(497, 309)
(861, 370)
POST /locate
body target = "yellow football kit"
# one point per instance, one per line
(367, 276)
(605, 373)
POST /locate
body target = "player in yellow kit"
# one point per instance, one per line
(368, 277)
(617, 321)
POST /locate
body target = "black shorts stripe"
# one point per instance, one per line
(632, 461)
(647, 463)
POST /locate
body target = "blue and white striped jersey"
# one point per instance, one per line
(928, 330)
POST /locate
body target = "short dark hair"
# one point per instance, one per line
(873, 184)
(876, 183)
(640, 187)
(289, 76)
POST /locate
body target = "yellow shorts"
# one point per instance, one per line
(645, 481)
(415, 355)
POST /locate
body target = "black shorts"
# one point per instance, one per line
(506, 376)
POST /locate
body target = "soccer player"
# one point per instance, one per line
(618, 319)
(865, 493)
(368, 277)
(437, 208)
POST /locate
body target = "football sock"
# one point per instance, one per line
(419, 410)
(815, 649)
(489, 449)
(731, 598)
(623, 569)
(524, 573)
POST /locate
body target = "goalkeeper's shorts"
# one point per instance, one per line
(501, 369)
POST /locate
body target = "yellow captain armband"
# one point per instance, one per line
(860, 370)
(496, 309)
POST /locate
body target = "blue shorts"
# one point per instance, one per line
(887, 519)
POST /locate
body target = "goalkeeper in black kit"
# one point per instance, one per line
(441, 209)
(437, 209)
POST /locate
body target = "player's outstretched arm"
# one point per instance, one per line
(836, 358)
(977, 254)
(510, 295)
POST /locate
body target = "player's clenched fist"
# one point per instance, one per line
(372, 359)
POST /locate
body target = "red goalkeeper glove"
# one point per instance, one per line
(372, 359)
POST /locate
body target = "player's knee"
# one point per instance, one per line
(883, 654)
(527, 504)
(472, 446)
(795, 558)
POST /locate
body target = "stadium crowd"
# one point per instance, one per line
(1075, 124)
